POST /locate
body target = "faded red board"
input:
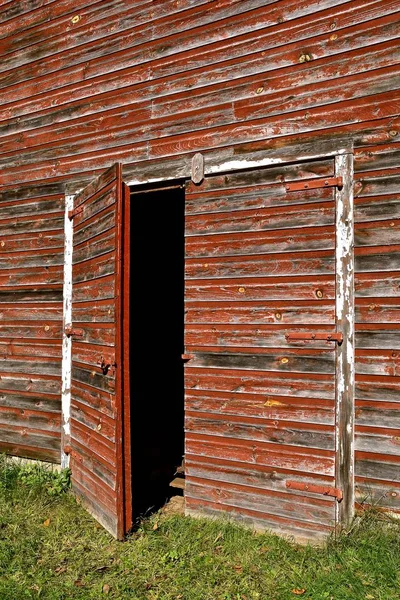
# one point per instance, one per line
(100, 440)
(259, 405)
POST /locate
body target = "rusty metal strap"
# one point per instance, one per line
(309, 337)
(325, 490)
(76, 211)
(71, 331)
(314, 184)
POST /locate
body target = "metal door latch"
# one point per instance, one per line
(308, 337)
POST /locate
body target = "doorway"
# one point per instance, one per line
(156, 292)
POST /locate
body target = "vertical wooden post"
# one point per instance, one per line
(345, 352)
(67, 340)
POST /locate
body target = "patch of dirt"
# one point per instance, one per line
(176, 506)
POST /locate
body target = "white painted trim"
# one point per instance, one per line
(67, 342)
(345, 318)
(228, 161)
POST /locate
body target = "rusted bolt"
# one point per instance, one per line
(319, 293)
(260, 89)
(75, 19)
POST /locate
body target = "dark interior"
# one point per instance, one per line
(156, 344)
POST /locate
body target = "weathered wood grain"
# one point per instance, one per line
(150, 84)
(98, 408)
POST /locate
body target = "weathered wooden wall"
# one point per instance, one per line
(31, 281)
(85, 83)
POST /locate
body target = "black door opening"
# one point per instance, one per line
(156, 343)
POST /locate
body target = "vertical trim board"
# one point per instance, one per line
(345, 364)
(67, 342)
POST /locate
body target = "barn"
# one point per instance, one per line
(200, 254)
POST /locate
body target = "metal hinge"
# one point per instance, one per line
(69, 330)
(76, 211)
(106, 363)
(187, 357)
(327, 337)
(314, 184)
(325, 490)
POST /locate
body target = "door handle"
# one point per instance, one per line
(309, 337)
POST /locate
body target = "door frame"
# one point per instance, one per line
(238, 158)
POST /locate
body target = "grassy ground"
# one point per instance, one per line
(51, 549)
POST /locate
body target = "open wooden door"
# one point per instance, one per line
(100, 432)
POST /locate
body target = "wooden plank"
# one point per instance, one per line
(312, 361)
(260, 242)
(273, 503)
(309, 312)
(310, 461)
(178, 483)
(273, 288)
(264, 265)
(255, 430)
(296, 409)
(345, 369)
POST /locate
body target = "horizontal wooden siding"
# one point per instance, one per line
(85, 83)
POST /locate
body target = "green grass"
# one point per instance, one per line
(51, 549)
